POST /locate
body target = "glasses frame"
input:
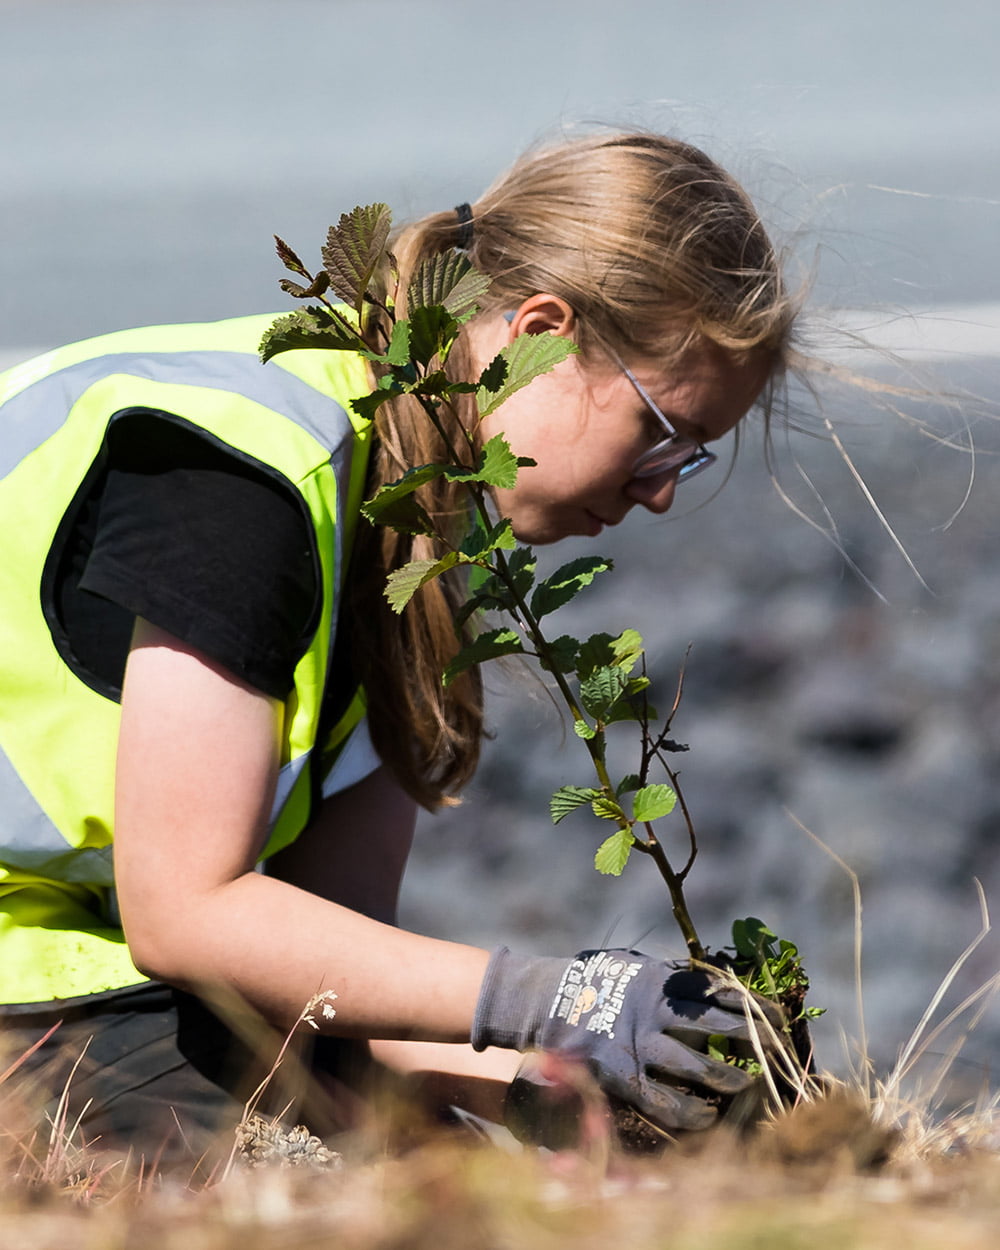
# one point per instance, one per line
(694, 462)
(690, 457)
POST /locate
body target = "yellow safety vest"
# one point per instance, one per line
(58, 736)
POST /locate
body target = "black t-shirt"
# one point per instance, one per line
(209, 545)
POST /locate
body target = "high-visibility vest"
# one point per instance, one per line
(58, 736)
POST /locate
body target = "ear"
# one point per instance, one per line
(543, 314)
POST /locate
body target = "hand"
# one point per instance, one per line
(641, 1026)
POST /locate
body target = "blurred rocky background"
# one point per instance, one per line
(149, 149)
(868, 715)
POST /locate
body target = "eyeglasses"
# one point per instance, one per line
(673, 454)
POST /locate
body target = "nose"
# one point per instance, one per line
(655, 494)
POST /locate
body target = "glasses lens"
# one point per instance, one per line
(670, 456)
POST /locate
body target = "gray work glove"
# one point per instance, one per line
(641, 1026)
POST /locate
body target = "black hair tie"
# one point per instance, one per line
(464, 214)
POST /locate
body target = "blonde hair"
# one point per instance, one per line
(656, 249)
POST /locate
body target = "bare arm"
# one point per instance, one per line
(197, 767)
(355, 849)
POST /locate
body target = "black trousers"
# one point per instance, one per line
(164, 1076)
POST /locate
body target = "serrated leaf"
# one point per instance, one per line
(403, 584)
(493, 593)
(354, 250)
(366, 406)
(398, 351)
(482, 600)
(405, 515)
(411, 480)
(627, 648)
(521, 568)
(624, 711)
(565, 583)
(497, 464)
(595, 652)
(602, 650)
(432, 331)
(568, 798)
(307, 328)
(631, 781)
(479, 543)
(288, 258)
(652, 802)
(607, 808)
(494, 375)
(583, 730)
(450, 280)
(528, 356)
(601, 691)
(612, 855)
(488, 646)
(563, 651)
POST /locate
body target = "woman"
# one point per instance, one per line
(184, 649)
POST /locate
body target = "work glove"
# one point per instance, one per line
(640, 1026)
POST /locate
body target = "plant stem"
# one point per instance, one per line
(675, 886)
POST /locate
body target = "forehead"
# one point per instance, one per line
(707, 391)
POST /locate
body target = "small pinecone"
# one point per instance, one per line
(261, 1142)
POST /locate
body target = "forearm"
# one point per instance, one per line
(276, 946)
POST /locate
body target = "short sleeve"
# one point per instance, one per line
(209, 545)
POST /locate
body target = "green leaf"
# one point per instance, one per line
(601, 650)
(487, 646)
(406, 516)
(478, 543)
(398, 352)
(528, 356)
(387, 495)
(652, 802)
(628, 783)
(607, 808)
(494, 375)
(403, 584)
(521, 568)
(366, 406)
(355, 249)
(595, 653)
(583, 730)
(627, 648)
(432, 332)
(479, 601)
(565, 583)
(307, 327)
(612, 855)
(567, 798)
(601, 691)
(450, 280)
(491, 591)
(497, 464)
(717, 1047)
(753, 940)
(563, 651)
(624, 710)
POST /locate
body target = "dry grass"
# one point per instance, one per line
(840, 1169)
(795, 1185)
(862, 1164)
